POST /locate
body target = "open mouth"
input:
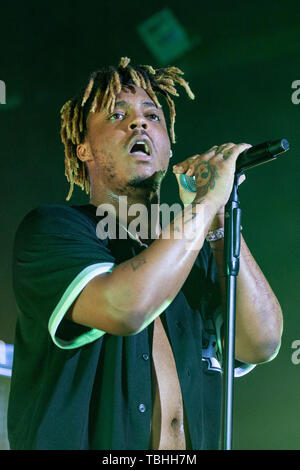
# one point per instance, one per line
(141, 147)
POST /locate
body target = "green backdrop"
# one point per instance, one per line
(243, 59)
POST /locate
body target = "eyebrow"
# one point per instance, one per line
(144, 103)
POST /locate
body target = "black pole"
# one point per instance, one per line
(232, 225)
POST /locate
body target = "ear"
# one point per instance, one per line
(83, 152)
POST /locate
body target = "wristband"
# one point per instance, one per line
(215, 235)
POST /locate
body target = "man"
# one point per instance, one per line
(119, 339)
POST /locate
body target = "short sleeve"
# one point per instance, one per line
(56, 253)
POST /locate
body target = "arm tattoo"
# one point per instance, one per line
(178, 228)
(135, 263)
(194, 214)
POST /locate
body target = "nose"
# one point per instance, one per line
(138, 122)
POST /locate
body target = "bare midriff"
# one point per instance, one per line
(168, 419)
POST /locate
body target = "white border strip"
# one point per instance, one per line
(74, 289)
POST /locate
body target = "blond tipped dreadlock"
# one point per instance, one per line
(100, 93)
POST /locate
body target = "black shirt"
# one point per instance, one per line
(74, 387)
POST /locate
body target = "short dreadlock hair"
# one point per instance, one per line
(103, 87)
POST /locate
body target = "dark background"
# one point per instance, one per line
(241, 72)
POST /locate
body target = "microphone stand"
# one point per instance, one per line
(232, 237)
(232, 224)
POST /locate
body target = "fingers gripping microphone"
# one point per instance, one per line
(249, 158)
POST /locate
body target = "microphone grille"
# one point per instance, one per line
(285, 144)
(188, 183)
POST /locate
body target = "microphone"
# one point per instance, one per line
(249, 158)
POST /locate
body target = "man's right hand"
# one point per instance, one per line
(214, 173)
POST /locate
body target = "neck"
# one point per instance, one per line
(137, 211)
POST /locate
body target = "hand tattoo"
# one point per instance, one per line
(208, 174)
(227, 154)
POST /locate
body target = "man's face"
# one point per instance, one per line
(129, 148)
